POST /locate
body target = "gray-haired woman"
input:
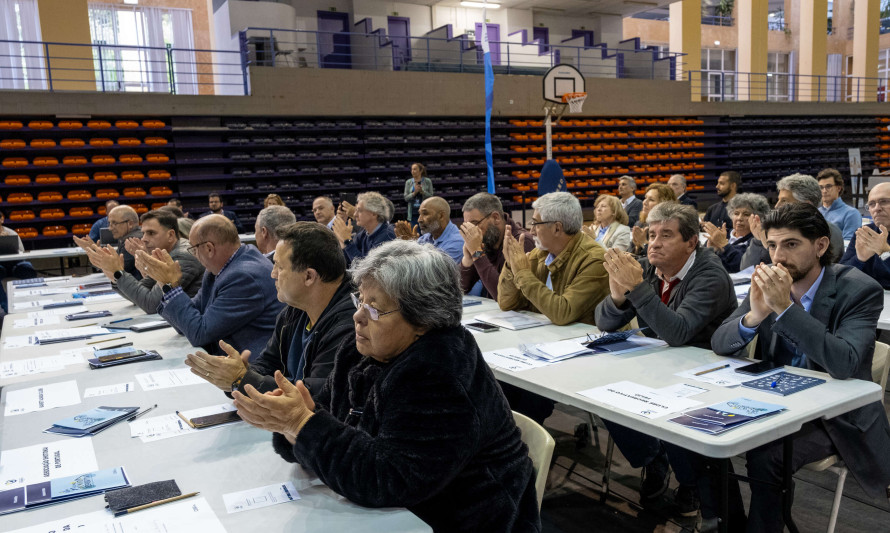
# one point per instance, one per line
(730, 249)
(411, 415)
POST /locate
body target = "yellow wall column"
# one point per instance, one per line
(68, 21)
(812, 85)
(685, 38)
(751, 21)
(865, 50)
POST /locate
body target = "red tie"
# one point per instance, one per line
(666, 291)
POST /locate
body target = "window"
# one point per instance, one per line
(778, 77)
(21, 65)
(883, 73)
(143, 49)
(718, 74)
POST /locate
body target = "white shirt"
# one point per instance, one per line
(679, 275)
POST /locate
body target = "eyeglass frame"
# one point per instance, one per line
(827, 187)
(113, 223)
(883, 202)
(373, 313)
(194, 249)
(535, 224)
(481, 220)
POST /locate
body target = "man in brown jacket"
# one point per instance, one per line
(564, 277)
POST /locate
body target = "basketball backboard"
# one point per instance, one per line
(562, 79)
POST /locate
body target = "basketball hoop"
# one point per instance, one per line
(575, 101)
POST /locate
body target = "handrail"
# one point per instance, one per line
(724, 86)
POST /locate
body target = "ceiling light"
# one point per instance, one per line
(480, 5)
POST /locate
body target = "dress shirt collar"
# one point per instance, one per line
(223, 269)
(683, 271)
(806, 301)
(627, 202)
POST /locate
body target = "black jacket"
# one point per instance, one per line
(333, 327)
(430, 430)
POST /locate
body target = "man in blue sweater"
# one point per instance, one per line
(237, 302)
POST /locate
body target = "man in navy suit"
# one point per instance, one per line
(809, 313)
(869, 250)
(627, 187)
(677, 183)
(237, 303)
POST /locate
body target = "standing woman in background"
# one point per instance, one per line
(417, 189)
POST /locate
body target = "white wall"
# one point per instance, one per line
(465, 18)
(561, 27)
(222, 38)
(421, 16)
(260, 15)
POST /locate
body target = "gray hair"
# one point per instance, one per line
(630, 180)
(419, 277)
(685, 215)
(274, 217)
(561, 207)
(681, 177)
(127, 213)
(390, 209)
(375, 203)
(485, 203)
(803, 187)
(755, 203)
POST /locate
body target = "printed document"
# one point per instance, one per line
(245, 500)
(638, 399)
(41, 398)
(42, 462)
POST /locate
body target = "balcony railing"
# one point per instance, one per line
(716, 20)
(725, 86)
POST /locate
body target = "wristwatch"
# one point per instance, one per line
(118, 275)
(167, 287)
(477, 254)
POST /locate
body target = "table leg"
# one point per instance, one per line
(723, 509)
(62, 265)
(788, 483)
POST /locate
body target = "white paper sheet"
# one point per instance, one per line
(56, 334)
(36, 365)
(638, 399)
(41, 462)
(681, 390)
(104, 298)
(724, 377)
(186, 516)
(35, 322)
(50, 312)
(246, 500)
(512, 359)
(41, 398)
(16, 341)
(105, 390)
(159, 427)
(44, 291)
(164, 379)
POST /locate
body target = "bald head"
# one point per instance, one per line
(879, 194)
(214, 239)
(122, 220)
(433, 216)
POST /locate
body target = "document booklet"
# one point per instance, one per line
(138, 324)
(469, 301)
(722, 417)
(62, 489)
(512, 320)
(91, 422)
(555, 351)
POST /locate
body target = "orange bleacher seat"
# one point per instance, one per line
(126, 124)
(100, 142)
(72, 143)
(536, 148)
(49, 196)
(160, 191)
(130, 158)
(45, 161)
(70, 124)
(158, 205)
(10, 125)
(19, 198)
(40, 125)
(43, 143)
(81, 212)
(17, 179)
(74, 160)
(139, 208)
(133, 175)
(158, 175)
(76, 177)
(47, 178)
(15, 162)
(153, 123)
(102, 160)
(81, 229)
(79, 194)
(129, 141)
(12, 144)
(157, 158)
(52, 213)
(27, 233)
(55, 231)
(21, 214)
(155, 141)
(107, 194)
(105, 176)
(134, 192)
(98, 124)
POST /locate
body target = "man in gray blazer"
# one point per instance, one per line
(809, 313)
(158, 232)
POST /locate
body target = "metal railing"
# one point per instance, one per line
(885, 25)
(716, 20)
(372, 51)
(55, 66)
(724, 86)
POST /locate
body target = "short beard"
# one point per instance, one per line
(431, 228)
(492, 240)
(539, 245)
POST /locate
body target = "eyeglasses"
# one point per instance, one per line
(535, 224)
(883, 202)
(113, 223)
(481, 220)
(194, 249)
(827, 187)
(373, 313)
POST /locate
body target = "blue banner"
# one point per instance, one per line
(489, 97)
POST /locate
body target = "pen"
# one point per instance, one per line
(117, 346)
(61, 304)
(121, 320)
(187, 421)
(708, 371)
(777, 381)
(106, 340)
(137, 415)
(155, 504)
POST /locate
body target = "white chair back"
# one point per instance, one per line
(540, 450)
(880, 365)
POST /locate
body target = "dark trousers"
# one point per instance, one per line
(20, 270)
(532, 405)
(640, 449)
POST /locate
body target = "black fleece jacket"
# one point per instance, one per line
(333, 327)
(429, 430)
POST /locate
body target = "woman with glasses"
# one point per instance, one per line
(411, 415)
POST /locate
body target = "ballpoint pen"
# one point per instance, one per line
(155, 504)
(121, 320)
(107, 340)
(137, 415)
(708, 371)
(117, 346)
